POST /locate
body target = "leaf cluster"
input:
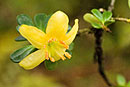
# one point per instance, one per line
(99, 20)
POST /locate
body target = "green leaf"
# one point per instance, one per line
(129, 3)
(50, 65)
(121, 80)
(97, 13)
(46, 22)
(107, 15)
(20, 38)
(96, 25)
(17, 28)
(71, 46)
(40, 20)
(69, 51)
(91, 19)
(109, 22)
(69, 28)
(24, 19)
(128, 84)
(21, 53)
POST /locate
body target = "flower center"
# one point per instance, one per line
(55, 50)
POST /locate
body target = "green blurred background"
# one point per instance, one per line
(80, 71)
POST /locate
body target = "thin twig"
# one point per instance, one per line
(84, 30)
(122, 19)
(81, 31)
(111, 7)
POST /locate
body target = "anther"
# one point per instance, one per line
(64, 44)
(53, 39)
(67, 55)
(62, 57)
(50, 40)
(46, 55)
(52, 59)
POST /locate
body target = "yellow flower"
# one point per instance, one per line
(52, 44)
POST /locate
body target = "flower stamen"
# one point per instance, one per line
(50, 40)
(52, 59)
(67, 55)
(47, 55)
(53, 39)
(63, 58)
(64, 44)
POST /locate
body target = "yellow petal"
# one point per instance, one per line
(35, 36)
(72, 34)
(33, 60)
(57, 25)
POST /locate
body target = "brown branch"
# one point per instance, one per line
(98, 55)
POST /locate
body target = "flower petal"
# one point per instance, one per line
(33, 60)
(72, 33)
(35, 36)
(57, 25)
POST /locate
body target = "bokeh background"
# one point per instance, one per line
(80, 71)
